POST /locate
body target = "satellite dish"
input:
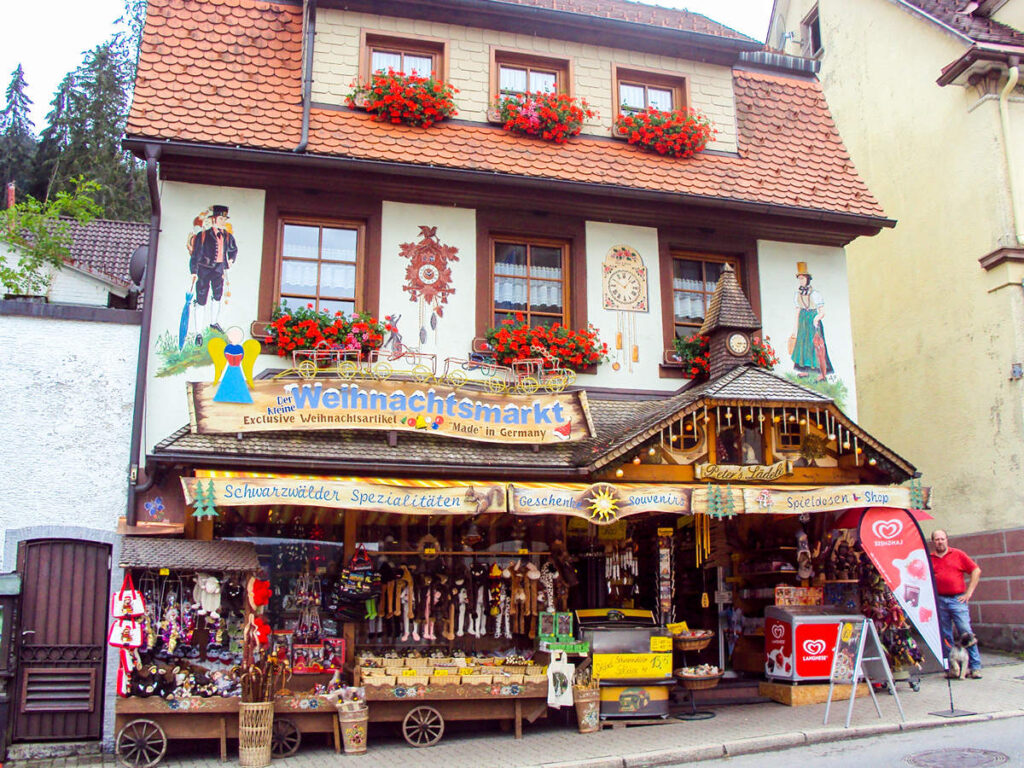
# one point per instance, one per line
(137, 264)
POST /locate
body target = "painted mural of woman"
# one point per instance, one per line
(233, 362)
(807, 346)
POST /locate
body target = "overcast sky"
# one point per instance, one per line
(48, 38)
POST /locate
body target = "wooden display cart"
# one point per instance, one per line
(145, 725)
(423, 709)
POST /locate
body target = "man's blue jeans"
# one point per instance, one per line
(954, 613)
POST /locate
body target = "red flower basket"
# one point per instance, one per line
(679, 133)
(550, 116)
(399, 98)
(514, 340)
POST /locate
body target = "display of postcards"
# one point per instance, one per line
(563, 625)
(334, 653)
(307, 658)
(546, 626)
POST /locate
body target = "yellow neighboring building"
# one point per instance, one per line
(927, 97)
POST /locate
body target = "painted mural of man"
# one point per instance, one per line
(211, 253)
(807, 346)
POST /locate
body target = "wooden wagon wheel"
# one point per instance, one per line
(423, 727)
(141, 744)
(285, 738)
(307, 369)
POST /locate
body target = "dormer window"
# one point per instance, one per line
(521, 73)
(811, 28)
(637, 91)
(406, 55)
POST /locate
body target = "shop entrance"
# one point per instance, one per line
(61, 640)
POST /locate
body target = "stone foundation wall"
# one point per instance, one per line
(997, 609)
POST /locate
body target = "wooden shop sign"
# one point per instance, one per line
(346, 494)
(601, 503)
(297, 406)
(743, 473)
(773, 501)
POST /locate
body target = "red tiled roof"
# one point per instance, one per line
(228, 73)
(104, 246)
(639, 13)
(981, 29)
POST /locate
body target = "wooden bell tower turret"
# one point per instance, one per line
(729, 325)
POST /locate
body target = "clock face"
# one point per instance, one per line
(738, 343)
(428, 274)
(624, 286)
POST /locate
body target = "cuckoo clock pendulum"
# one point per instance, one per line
(428, 278)
(624, 290)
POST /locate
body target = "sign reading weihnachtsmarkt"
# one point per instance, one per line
(393, 405)
(347, 494)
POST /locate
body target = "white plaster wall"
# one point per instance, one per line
(67, 412)
(777, 268)
(643, 327)
(336, 67)
(456, 227)
(166, 402)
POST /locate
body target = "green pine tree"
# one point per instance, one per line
(17, 136)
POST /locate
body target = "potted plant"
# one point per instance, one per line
(550, 116)
(691, 353)
(560, 347)
(400, 98)
(678, 133)
(306, 328)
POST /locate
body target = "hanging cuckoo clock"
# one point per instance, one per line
(428, 278)
(624, 290)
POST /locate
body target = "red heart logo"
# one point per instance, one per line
(814, 647)
(778, 630)
(887, 529)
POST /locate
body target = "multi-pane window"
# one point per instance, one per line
(383, 59)
(530, 278)
(790, 434)
(811, 28)
(639, 90)
(693, 282)
(409, 56)
(520, 74)
(319, 263)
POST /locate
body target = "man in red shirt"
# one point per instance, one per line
(949, 565)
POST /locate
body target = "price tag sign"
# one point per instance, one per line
(466, 670)
(666, 531)
(165, 571)
(430, 550)
(440, 673)
(410, 672)
(523, 551)
(661, 644)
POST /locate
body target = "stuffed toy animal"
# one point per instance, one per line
(206, 595)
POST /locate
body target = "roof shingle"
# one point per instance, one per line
(958, 15)
(228, 73)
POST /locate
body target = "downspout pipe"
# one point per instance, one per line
(309, 30)
(1016, 216)
(142, 366)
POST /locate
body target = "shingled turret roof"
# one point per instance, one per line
(729, 308)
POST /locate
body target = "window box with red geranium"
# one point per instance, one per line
(679, 133)
(553, 117)
(308, 328)
(692, 355)
(399, 98)
(560, 347)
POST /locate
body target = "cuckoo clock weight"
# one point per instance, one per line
(428, 278)
(624, 290)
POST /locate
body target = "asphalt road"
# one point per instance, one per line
(968, 745)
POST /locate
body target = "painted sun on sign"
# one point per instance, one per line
(602, 504)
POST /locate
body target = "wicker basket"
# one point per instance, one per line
(406, 680)
(419, 663)
(692, 643)
(255, 726)
(535, 678)
(445, 680)
(701, 683)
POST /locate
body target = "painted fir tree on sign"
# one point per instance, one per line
(205, 501)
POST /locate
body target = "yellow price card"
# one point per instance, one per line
(410, 672)
(660, 644)
(466, 670)
(440, 673)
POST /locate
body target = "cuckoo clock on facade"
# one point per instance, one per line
(428, 278)
(624, 290)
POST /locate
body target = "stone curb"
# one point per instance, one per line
(772, 743)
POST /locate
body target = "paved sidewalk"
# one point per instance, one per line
(737, 729)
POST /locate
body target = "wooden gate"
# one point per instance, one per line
(65, 591)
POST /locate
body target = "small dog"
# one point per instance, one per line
(958, 658)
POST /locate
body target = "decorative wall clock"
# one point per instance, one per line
(624, 290)
(428, 278)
